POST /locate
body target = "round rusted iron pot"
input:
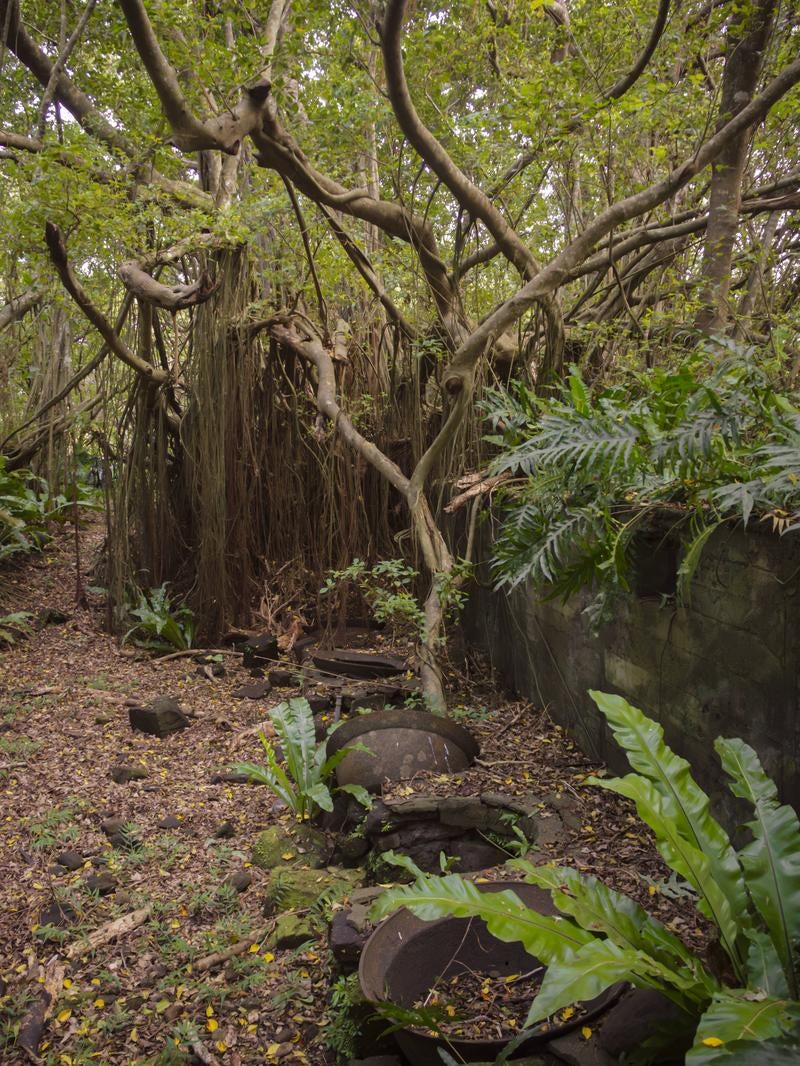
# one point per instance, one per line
(401, 742)
(406, 955)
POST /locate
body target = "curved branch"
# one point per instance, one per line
(466, 192)
(620, 87)
(136, 274)
(171, 297)
(558, 270)
(286, 331)
(433, 152)
(79, 105)
(223, 132)
(190, 134)
(278, 151)
(58, 254)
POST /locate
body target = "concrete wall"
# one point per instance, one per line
(728, 663)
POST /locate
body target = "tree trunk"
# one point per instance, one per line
(747, 40)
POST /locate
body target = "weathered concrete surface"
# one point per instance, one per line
(727, 663)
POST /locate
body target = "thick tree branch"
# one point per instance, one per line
(58, 254)
(433, 152)
(620, 87)
(190, 133)
(80, 106)
(136, 274)
(278, 151)
(19, 306)
(225, 131)
(465, 191)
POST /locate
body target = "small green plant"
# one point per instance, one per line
(26, 508)
(53, 827)
(602, 937)
(23, 512)
(304, 783)
(517, 844)
(387, 588)
(342, 1029)
(470, 714)
(21, 746)
(160, 624)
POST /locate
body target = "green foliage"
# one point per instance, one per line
(753, 897)
(711, 436)
(160, 624)
(387, 588)
(342, 1028)
(304, 783)
(26, 507)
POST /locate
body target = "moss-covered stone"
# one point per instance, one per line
(280, 845)
(292, 930)
(270, 847)
(292, 888)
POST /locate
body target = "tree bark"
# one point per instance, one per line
(747, 40)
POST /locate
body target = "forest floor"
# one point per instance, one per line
(142, 998)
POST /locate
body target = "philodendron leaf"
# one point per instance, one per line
(682, 856)
(600, 909)
(764, 968)
(742, 1018)
(683, 800)
(771, 860)
(551, 939)
(403, 862)
(294, 724)
(591, 970)
(359, 793)
(272, 775)
(321, 795)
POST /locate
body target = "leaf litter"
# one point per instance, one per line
(133, 997)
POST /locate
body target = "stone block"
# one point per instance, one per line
(466, 811)
(159, 718)
(259, 651)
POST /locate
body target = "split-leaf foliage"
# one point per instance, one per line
(303, 782)
(707, 441)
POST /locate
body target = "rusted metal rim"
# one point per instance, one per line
(405, 954)
(404, 718)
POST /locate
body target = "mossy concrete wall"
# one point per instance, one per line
(725, 663)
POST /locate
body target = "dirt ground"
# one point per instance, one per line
(64, 698)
